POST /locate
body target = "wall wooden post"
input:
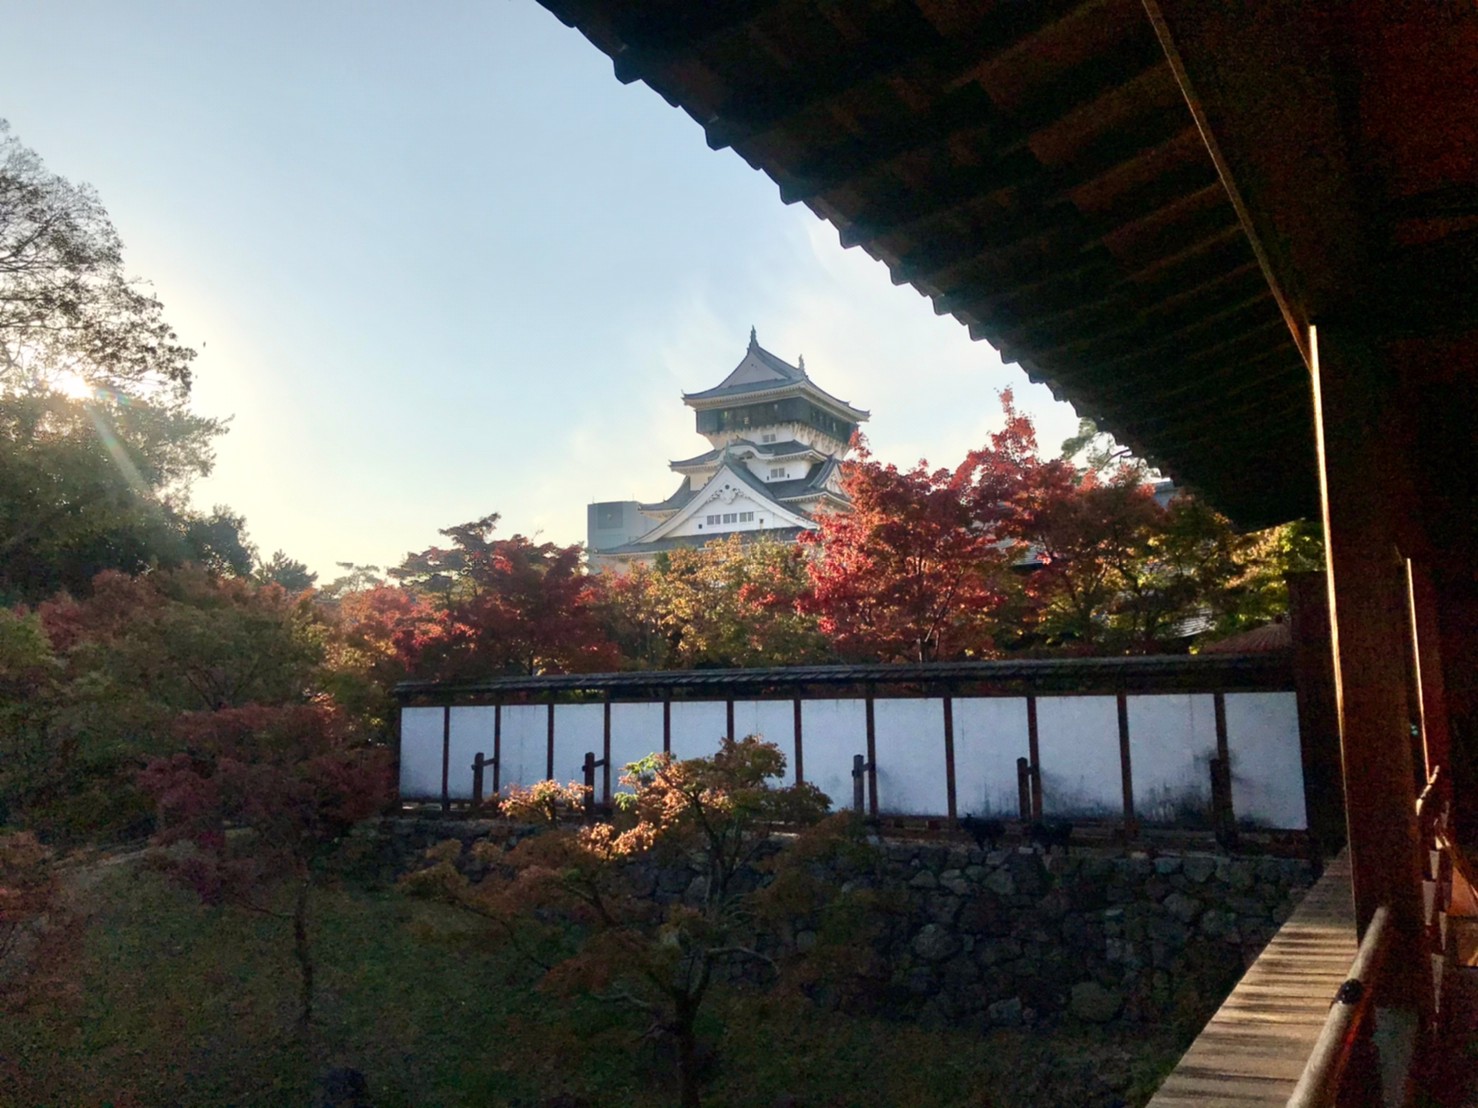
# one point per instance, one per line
(549, 759)
(800, 760)
(1034, 753)
(1126, 770)
(446, 757)
(949, 759)
(1360, 490)
(605, 787)
(497, 747)
(872, 761)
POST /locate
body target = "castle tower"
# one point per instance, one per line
(776, 440)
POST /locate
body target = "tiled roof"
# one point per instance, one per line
(769, 449)
(672, 542)
(684, 493)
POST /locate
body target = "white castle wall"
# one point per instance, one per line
(1172, 737)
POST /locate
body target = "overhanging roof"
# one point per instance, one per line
(1034, 169)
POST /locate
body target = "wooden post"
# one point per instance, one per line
(949, 759)
(1126, 770)
(605, 755)
(872, 760)
(800, 759)
(859, 769)
(589, 777)
(1034, 752)
(1223, 810)
(549, 762)
(1361, 491)
(497, 747)
(729, 718)
(1024, 790)
(666, 725)
(479, 763)
(446, 757)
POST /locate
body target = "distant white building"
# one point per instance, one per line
(776, 441)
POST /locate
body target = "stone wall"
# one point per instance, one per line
(1013, 936)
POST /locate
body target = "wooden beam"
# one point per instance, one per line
(1193, 102)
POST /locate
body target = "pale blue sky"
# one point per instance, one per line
(439, 262)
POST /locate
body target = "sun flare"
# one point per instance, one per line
(74, 385)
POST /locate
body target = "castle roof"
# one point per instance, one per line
(760, 371)
(788, 449)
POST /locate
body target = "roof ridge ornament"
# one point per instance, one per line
(801, 364)
(753, 340)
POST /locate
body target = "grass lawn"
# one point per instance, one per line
(179, 1004)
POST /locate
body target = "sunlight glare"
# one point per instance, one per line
(74, 385)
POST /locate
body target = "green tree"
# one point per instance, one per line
(290, 573)
(727, 603)
(97, 444)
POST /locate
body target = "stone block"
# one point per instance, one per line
(1094, 1003)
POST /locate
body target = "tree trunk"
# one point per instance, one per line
(684, 1031)
(303, 953)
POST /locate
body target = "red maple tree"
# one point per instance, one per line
(909, 574)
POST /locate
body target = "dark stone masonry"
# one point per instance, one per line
(1014, 937)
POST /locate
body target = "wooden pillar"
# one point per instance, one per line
(1318, 717)
(1427, 660)
(1359, 487)
(549, 762)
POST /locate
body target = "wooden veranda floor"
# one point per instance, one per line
(1254, 1049)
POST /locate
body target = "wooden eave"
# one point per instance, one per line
(1036, 171)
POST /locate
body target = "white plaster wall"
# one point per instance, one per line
(990, 734)
(578, 728)
(697, 728)
(742, 502)
(1078, 737)
(471, 733)
(636, 731)
(420, 753)
(832, 731)
(912, 776)
(773, 721)
(524, 746)
(1267, 767)
(1172, 739)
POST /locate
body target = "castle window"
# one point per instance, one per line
(710, 520)
(730, 517)
(776, 471)
(746, 517)
(767, 438)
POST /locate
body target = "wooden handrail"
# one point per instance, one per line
(1428, 793)
(1319, 1084)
